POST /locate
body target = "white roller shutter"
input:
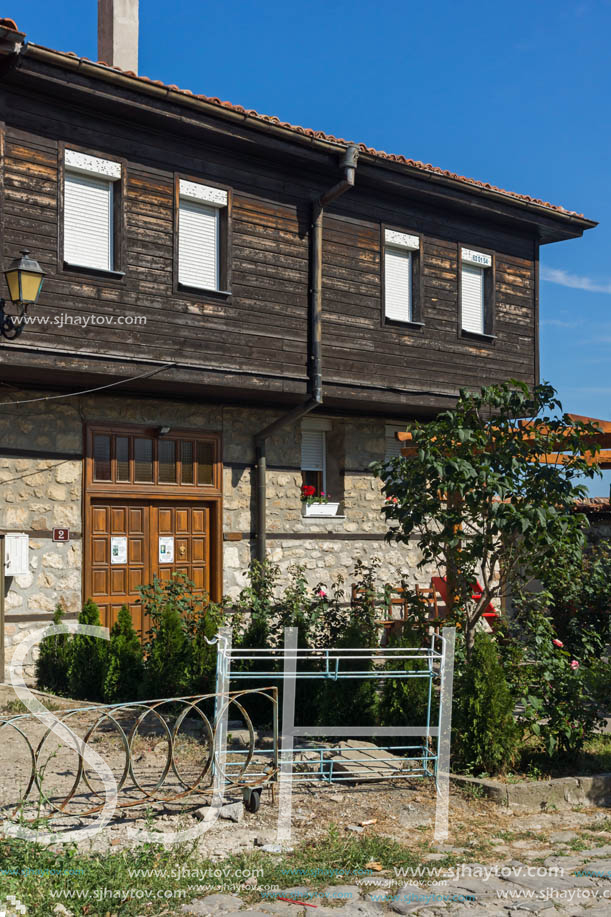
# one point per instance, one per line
(392, 446)
(312, 450)
(88, 221)
(472, 297)
(398, 284)
(198, 245)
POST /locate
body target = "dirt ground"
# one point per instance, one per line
(401, 809)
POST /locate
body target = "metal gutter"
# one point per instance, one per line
(348, 164)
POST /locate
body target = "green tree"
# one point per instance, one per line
(123, 678)
(481, 502)
(88, 659)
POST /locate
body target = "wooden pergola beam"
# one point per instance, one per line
(600, 442)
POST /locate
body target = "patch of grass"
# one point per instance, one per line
(471, 790)
(153, 880)
(603, 825)
(332, 859)
(16, 707)
(506, 836)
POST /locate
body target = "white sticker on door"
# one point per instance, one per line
(118, 549)
(166, 549)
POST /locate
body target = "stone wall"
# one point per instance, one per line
(40, 492)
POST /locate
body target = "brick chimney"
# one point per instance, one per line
(118, 33)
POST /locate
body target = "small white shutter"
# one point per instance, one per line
(198, 245)
(88, 238)
(472, 294)
(392, 446)
(312, 450)
(398, 284)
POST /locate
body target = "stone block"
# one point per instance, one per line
(68, 473)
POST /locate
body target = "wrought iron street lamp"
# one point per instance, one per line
(24, 278)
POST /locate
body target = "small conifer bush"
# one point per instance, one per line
(125, 663)
(53, 663)
(486, 732)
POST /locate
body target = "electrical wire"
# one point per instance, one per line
(89, 391)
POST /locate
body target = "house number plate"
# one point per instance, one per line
(61, 534)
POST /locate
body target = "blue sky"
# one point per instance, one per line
(514, 94)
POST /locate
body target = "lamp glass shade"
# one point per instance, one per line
(24, 279)
(12, 282)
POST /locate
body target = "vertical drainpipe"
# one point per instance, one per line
(315, 394)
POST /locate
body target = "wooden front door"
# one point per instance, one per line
(133, 541)
(188, 528)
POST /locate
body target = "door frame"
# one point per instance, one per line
(210, 495)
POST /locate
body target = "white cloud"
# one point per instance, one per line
(565, 279)
(559, 323)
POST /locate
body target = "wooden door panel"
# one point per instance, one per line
(114, 584)
(99, 547)
(118, 581)
(166, 521)
(137, 519)
(99, 582)
(189, 526)
(198, 550)
(118, 520)
(99, 519)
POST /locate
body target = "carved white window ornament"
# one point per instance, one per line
(401, 240)
(477, 258)
(194, 191)
(82, 162)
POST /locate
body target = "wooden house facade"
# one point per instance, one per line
(233, 306)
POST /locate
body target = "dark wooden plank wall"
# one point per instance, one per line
(356, 340)
(263, 325)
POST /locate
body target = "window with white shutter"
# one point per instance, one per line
(398, 284)
(89, 210)
(473, 302)
(474, 284)
(400, 267)
(199, 235)
(313, 459)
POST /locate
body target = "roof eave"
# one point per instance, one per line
(578, 224)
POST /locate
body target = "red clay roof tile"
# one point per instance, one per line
(321, 135)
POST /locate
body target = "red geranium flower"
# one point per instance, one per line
(307, 490)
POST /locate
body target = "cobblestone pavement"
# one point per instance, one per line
(553, 864)
(565, 885)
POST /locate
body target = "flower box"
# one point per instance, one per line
(319, 509)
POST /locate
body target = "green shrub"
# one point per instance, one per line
(404, 701)
(485, 731)
(202, 625)
(178, 660)
(88, 659)
(352, 701)
(167, 667)
(125, 663)
(563, 698)
(53, 663)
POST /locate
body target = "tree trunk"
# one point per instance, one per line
(469, 636)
